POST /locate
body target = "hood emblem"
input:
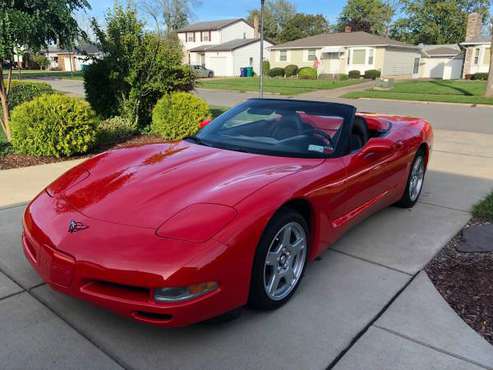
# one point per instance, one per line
(75, 226)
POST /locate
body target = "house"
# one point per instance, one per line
(224, 46)
(442, 61)
(478, 47)
(71, 60)
(338, 53)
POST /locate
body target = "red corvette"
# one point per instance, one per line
(173, 234)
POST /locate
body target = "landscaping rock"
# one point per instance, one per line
(477, 239)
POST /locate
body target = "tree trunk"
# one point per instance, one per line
(489, 84)
(5, 120)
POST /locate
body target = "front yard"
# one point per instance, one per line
(275, 85)
(468, 92)
(28, 74)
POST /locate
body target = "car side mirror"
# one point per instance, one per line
(204, 123)
(376, 147)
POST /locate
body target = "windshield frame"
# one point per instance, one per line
(345, 111)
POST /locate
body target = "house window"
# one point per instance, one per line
(206, 36)
(416, 66)
(359, 56)
(487, 56)
(283, 55)
(312, 54)
(191, 37)
(476, 55)
(349, 57)
(371, 58)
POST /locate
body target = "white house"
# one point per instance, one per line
(224, 46)
(71, 60)
(478, 47)
(442, 61)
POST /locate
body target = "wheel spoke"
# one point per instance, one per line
(289, 276)
(286, 236)
(272, 258)
(274, 283)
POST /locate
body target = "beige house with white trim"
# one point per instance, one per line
(338, 53)
(478, 47)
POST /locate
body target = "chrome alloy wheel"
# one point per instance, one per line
(285, 261)
(417, 178)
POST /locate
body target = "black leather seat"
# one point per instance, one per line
(359, 134)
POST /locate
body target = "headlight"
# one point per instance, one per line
(183, 293)
(197, 223)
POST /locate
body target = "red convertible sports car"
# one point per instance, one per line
(173, 234)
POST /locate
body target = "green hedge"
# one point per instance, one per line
(291, 70)
(178, 115)
(53, 125)
(372, 74)
(307, 73)
(22, 92)
(115, 130)
(354, 75)
(276, 72)
(480, 76)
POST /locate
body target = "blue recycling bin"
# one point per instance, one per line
(243, 72)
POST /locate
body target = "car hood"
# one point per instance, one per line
(144, 186)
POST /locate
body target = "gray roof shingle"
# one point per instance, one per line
(227, 46)
(210, 25)
(442, 50)
(343, 39)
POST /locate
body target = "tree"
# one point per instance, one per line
(138, 67)
(489, 84)
(32, 24)
(303, 25)
(174, 14)
(41, 60)
(436, 21)
(365, 15)
(277, 14)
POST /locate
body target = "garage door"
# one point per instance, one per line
(219, 65)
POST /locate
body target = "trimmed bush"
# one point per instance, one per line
(266, 67)
(53, 125)
(372, 74)
(354, 75)
(178, 115)
(291, 70)
(21, 92)
(343, 77)
(276, 72)
(115, 130)
(480, 77)
(307, 73)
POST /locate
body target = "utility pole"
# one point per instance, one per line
(261, 93)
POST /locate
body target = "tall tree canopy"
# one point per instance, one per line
(174, 14)
(33, 24)
(436, 21)
(303, 25)
(365, 15)
(276, 16)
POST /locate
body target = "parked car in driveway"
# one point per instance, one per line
(202, 72)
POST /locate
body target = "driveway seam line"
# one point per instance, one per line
(363, 331)
(11, 295)
(334, 249)
(112, 357)
(431, 347)
(444, 207)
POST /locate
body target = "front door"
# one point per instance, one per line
(330, 63)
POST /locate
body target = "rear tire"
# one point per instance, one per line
(280, 260)
(211, 75)
(415, 181)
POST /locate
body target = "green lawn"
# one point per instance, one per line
(274, 85)
(484, 209)
(469, 92)
(28, 74)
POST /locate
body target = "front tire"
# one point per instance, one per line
(280, 260)
(415, 181)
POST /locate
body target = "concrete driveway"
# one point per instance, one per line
(365, 304)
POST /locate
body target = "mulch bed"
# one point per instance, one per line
(465, 280)
(12, 160)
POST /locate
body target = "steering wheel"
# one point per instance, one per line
(323, 134)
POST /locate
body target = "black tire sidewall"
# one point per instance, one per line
(406, 201)
(258, 298)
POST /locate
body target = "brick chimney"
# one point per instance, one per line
(474, 26)
(256, 26)
(348, 29)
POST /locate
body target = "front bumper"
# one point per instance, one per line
(118, 267)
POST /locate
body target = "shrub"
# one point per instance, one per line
(372, 74)
(53, 125)
(178, 115)
(291, 70)
(115, 130)
(21, 92)
(343, 77)
(266, 67)
(307, 73)
(480, 76)
(354, 75)
(276, 72)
